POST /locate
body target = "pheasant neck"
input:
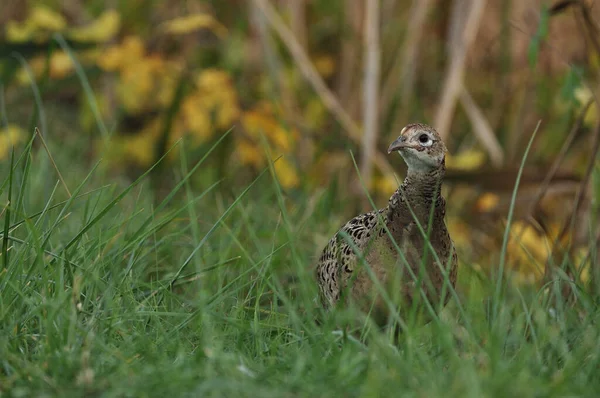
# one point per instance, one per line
(421, 190)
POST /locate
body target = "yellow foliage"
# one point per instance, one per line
(467, 160)
(213, 105)
(144, 80)
(197, 118)
(487, 202)
(136, 85)
(385, 185)
(583, 94)
(43, 17)
(40, 22)
(138, 148)
(10, 136)
(61, 65)
(257, 122)
(191, 23)
(124, 55)
(327, 165)
(460, 231)
(101, 30)
(261, 120)
(315, 114)
(286, 173)
(325, 65)
(248, 154)
(87, 118)
(219, 96)
(594, 60)
(529, 249)
(581, 259)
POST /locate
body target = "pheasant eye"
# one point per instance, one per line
(425, 140)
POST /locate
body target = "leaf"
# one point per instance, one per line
(129, 52)
(104, 28)
(467, 160)
(536, 41)
(582, 95)
(571, 83)
(61, 65)
(191, 23)
(40, 22)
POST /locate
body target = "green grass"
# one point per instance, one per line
(210, 293)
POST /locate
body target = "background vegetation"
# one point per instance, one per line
(171, 171)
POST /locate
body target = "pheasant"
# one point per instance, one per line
(339, 272)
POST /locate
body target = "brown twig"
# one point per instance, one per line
(481, 128)
(559, 158)
(569, 223)
(370, 89)
(60, 177)
(297, 10)
(582, 191)
(348, 61)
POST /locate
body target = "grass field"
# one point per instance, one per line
(210, 293)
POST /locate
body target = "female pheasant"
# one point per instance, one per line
(413, 269)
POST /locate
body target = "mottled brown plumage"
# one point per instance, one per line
(339, 270)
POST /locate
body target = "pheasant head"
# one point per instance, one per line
(421, 147)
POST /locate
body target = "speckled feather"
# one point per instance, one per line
(339, 260)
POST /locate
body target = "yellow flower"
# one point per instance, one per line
(286, 173)
(10, 136)
(101, 30)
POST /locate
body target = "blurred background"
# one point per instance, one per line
(310, 82)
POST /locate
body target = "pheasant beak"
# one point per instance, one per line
(398, 144)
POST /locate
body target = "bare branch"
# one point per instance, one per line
(370, 88)
(456, 69)
(482, 129)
